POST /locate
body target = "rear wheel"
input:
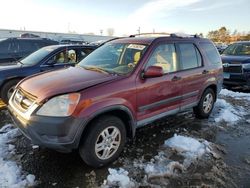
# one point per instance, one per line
(104, 141)
(206, 104)
(7, 90)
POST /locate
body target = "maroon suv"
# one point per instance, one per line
(125, 84)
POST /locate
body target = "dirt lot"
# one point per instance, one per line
(148, 161)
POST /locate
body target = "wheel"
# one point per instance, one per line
(206, 104)
(7, 90)
(104, 141)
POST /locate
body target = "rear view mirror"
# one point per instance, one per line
(152, 72)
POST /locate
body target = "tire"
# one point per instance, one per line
(7, 90)
(206, 104)
(109, 148)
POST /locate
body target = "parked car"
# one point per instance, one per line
(45, 59)
(124, 84)
(220, 46)
(12, 49)
(29, 35)
(72, 41)
(236, 65)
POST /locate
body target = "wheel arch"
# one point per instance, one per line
(211, 86)
(119, 111)
(10, 79)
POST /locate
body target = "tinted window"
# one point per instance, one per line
(36, 45)
(211, 52)
(25, 46)
(5, 46)
(164, 56)
(189, 55)
(82, 53)
(238, 49)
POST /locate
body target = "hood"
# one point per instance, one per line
(9, 66)
(235, 59)
(62, 81)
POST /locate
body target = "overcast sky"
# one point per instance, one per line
(125, 16)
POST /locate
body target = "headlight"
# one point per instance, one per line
(60, 106)
(246, 66)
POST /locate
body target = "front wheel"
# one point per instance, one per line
(104, 141)
(7, 90)
(206, 104)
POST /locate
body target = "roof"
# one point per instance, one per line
(139, 40)
(150, 39)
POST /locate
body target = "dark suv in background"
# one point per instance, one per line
(236, 65)
(12, 49)
(124, 84)
(45, 59)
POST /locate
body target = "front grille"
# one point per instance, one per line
(23, 100)
(232, 69)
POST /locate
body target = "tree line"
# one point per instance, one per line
(226, 36)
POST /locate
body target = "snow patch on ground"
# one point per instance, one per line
(10, 172)
(190, 148)
(226, 112)
(234, 94)
(118, 178)
(161, 166)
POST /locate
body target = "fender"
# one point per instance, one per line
(93, 111)
(209, 82)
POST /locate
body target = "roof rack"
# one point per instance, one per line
(142, 34)
(180, 35)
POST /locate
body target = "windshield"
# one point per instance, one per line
(238, 49)
(37, 56)
(118, 58)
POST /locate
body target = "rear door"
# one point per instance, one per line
(193, 73)
(160, 96)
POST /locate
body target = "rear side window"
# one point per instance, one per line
(211, 52)
(190, 56)
(25, 46)
(5, 46)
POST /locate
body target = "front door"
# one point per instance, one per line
(160, 96)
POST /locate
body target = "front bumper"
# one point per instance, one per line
(58, 133)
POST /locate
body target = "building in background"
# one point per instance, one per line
(7, 33)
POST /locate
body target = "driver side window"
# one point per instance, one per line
(164, 56)
(65, 56)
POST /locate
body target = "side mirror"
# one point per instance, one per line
(152, 72)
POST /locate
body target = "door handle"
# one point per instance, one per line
(176, 78)
(205, 72)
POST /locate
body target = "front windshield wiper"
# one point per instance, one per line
(98, 69)
(20, 62)
(16, 59)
